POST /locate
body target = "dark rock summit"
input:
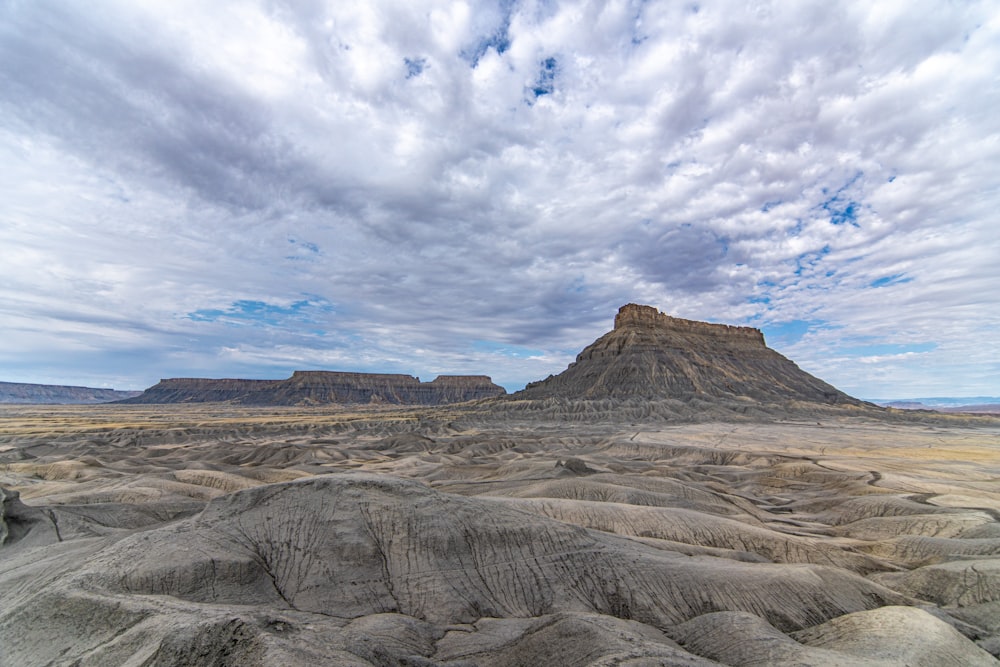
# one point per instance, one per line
(651, 355)
(324, 387)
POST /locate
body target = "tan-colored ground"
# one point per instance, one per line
(210, 534)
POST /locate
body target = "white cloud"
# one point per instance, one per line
(748, 164)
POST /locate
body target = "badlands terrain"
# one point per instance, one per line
(740, 514)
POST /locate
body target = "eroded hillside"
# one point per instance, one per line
(434, 536)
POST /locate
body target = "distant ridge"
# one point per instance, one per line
(650, 355)
(976, 405)
(324, 387)
(54, 394)
(936, 402)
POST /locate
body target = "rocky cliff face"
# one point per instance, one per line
(21, 392)
(324, 387)
(652, 355)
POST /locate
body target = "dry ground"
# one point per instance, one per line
(212, 534)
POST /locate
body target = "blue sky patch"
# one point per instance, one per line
(724, 244)
(246, 312)
(885, 281)
(304, 250)
(841, 206)
(809, 260)
(790, 332)
(499, 39)
(577, 286)
(414, 66)
(546, 82)
(844, 215)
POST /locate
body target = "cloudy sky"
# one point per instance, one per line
(244, 188)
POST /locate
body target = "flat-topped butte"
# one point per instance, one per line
(324, 387)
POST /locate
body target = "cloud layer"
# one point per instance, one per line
(246, 188)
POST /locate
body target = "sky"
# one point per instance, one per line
(246, 188)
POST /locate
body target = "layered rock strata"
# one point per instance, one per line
(651, 355)
(23, 392)
(324, 387)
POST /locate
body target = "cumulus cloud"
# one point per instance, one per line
(250, 187)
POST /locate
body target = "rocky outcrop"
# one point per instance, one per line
(324, 387)
(650, 355)
(21, 392)
(23, 524)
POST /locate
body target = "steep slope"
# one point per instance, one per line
(324, 387)
(652, 355)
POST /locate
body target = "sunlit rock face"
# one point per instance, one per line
(652, 355)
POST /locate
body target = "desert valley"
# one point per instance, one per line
(681, 495)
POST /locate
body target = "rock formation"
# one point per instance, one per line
(19, 521)
(21, 392)
(324, 387)
(650, 355)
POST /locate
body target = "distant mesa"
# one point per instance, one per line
(650, 355)
(323, 388)
(51, 394)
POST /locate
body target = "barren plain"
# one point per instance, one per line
(478, 535)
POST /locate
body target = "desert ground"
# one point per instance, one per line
(221, 535)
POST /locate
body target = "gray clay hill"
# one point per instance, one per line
(652, 355)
